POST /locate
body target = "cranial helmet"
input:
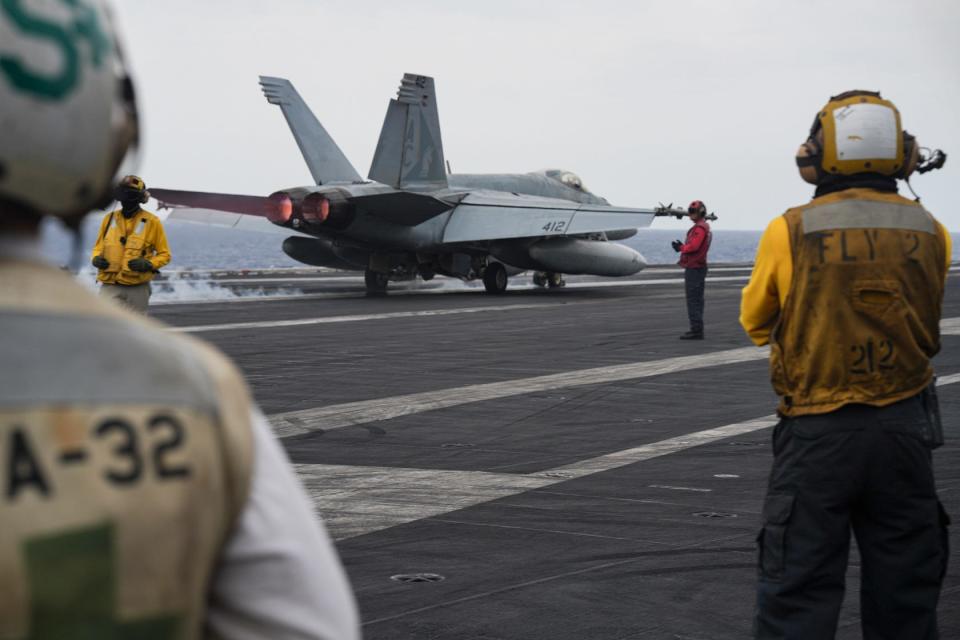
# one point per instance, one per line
(857, 132)
(132, 188)
(68, 114)
(697, 207)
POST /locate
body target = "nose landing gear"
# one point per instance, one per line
(495, 278)
(376, 282)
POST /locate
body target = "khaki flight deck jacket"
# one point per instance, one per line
(125, 460)
(121, 240)
(848, 290)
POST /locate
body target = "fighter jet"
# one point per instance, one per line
(411, 218)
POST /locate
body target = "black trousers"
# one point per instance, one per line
(862, 467)
(695, 282)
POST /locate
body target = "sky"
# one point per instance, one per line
(648, 102)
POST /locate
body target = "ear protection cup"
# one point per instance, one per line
(911, 156)
(810, 156)
(697, 206)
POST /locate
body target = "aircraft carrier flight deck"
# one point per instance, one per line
(546, 463)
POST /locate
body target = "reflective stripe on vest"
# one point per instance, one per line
(124, 462)
(860, 322)
(860, 214)
(124, 241)
(91, 359)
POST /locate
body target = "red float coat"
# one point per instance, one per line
(693, 253)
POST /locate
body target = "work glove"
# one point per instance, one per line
(100, 262)
(677, 245)
(140, 265)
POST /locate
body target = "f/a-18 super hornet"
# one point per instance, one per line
(412, 218)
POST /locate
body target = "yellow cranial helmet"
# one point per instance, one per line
(857, 132)
(132, 188)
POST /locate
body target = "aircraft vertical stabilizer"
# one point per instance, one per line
(324, 159)
(410, 152)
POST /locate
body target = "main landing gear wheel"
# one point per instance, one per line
(495, 278)
(376, 282)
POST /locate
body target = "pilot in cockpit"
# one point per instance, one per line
(567, 178)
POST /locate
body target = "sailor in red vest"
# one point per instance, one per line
(693, 259)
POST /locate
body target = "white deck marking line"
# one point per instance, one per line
(353, 413)
(662, 448)
(434, 290)
(254, 280)
(951, 379)
(441, 289)
(950, 327)
(291, 281)
(278, 297)
(359, 318)
(258, 280)
(361, 412)
(637, 283)
(672, 488)
(355, 500)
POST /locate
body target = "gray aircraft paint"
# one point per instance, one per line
(414, 219)
(573, 255)
(323, 157)
(531, 184)
(409, 153)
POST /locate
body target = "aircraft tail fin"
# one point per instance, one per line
(410, 151)
(324, 158)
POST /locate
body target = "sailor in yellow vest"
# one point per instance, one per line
(847, 291)
(142, 494)
(131, 247)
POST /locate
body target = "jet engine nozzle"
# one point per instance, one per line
(280, 208)
(315, 208)
(330, 209)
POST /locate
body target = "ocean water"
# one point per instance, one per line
(197, 246)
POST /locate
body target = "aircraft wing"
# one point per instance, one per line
(490, 216)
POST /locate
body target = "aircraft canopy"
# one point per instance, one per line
(567, 178)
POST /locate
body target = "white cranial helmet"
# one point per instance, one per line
(68, 115)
